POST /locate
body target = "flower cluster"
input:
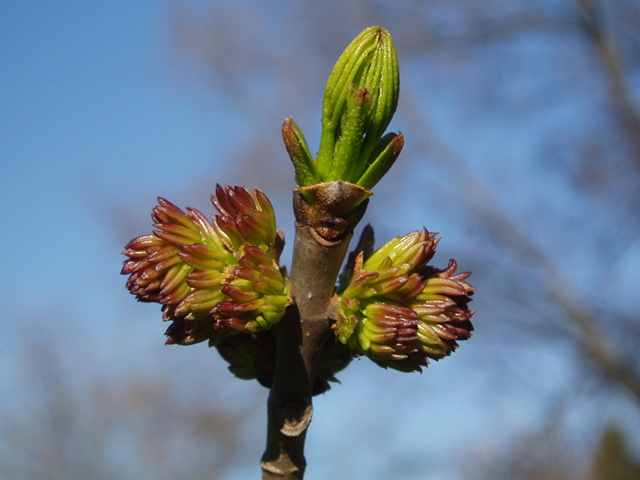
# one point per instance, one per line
(399, 311)
(213, 278)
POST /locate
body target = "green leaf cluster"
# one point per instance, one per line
(360, 100)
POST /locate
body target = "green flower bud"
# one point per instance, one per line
(360, 99)
(253, 356)
(250, 356)
(442, 310)
(399, 311)
(364, 246)
(388, 276)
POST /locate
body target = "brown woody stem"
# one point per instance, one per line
(318, 253)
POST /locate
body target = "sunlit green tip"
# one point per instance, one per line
(384, 156)
(306, 173)
(360, 99)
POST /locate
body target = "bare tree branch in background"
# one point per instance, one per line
(144, 427)
(589, 334)
(608, 53)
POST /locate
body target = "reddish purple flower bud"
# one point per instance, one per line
(187, 265)
(399, 311)
(443, 311)
(258, 292)
(246, 218)
(160, 265)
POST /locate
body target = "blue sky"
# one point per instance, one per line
(88, 111)
(92, 118)
(89, 119)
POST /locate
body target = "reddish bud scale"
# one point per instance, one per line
(133, 266)
(250, 230)
(173, 278)
(259, 222)
(199, 302)
(149, 274)
(201, 264)
(185, 235)
(176, 217)
(221, 201)
(386, 273)
(390, 285)
(247, 274)
(165, 253)
(267, 208)
(261, 287)
(356, 288)
(206, 228)
(176, 295)
(411, 288)
(241, 199)
(142, 243)
(200, 279)
(254, 257)
(270, 283)
(187, 332)
(172, 238)
(238, 295)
